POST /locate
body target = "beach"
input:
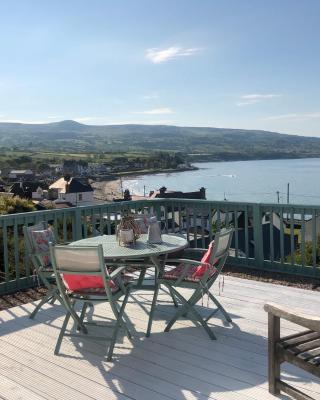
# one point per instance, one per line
(107, 190)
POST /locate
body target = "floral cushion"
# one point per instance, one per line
(195, 273)
(192, 274)
(41, 240)
(201, 269)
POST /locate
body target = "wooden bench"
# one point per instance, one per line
(300, 349)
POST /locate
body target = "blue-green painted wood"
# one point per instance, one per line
(76, 223)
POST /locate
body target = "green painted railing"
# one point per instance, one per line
(271, 237)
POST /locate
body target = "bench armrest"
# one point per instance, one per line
(297, 317)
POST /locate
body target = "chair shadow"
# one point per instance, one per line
(197, 367)
(180, 364)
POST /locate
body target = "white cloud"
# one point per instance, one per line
(156, 111)
(248, 99)
(151, 96)
(293, 116)
(259, 96)
(158, 56)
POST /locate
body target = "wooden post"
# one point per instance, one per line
(258, 236)
(274, 362)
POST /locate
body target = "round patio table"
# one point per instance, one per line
(140, 250)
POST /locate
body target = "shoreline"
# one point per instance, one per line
(107, 190)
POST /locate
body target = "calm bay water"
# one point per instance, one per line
(254, 181)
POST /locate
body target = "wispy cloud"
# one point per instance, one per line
(151, 96)
(158, 56)
(293, 117)
(156, 111)
(248, 99)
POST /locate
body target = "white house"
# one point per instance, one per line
(73, 191)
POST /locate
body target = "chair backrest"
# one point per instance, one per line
(222, 243)
(76, 260)
(27, 231)
(37, 239)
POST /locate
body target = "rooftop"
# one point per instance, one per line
(74, 185)
(183, 364)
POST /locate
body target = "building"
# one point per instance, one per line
(20, 174)
(163, 193)
(73, 190)
(28, 190)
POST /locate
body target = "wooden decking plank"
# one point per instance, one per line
(148, 367)
(153, 381)
(182, 361)
(11, 390)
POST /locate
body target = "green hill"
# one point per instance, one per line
(201, 143)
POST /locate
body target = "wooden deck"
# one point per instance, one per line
(182, 364)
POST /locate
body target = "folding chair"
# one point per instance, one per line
(196, 275)
(37, 238)
(82, 276)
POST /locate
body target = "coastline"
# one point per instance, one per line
(107, 190)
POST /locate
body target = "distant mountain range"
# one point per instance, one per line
(200, 143)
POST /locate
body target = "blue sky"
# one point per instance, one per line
(224, 63)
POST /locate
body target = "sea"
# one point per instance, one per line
(262, 181)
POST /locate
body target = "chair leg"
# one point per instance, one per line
(153, 306)
(219, 307)
(188, 306)
(173, 297)
(54, 298)
(115, 308)
(274, 361)
(82, 315)
(44, 300)
(62, 332)
(75, 317)
(118, 325)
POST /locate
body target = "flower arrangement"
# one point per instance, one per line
(128, 230)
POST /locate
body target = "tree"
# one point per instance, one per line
(14, 205)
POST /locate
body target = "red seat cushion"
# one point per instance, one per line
(79, 282)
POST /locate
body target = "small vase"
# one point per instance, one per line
(154, 231)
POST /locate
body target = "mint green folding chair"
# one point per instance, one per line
(37, 239)
(82, 276)
(198, 276)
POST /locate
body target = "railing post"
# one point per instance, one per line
(258, 236)
(77, 223)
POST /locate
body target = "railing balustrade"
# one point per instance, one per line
(272, 237)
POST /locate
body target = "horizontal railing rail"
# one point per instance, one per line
(273, 237)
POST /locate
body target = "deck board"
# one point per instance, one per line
(182, 364)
